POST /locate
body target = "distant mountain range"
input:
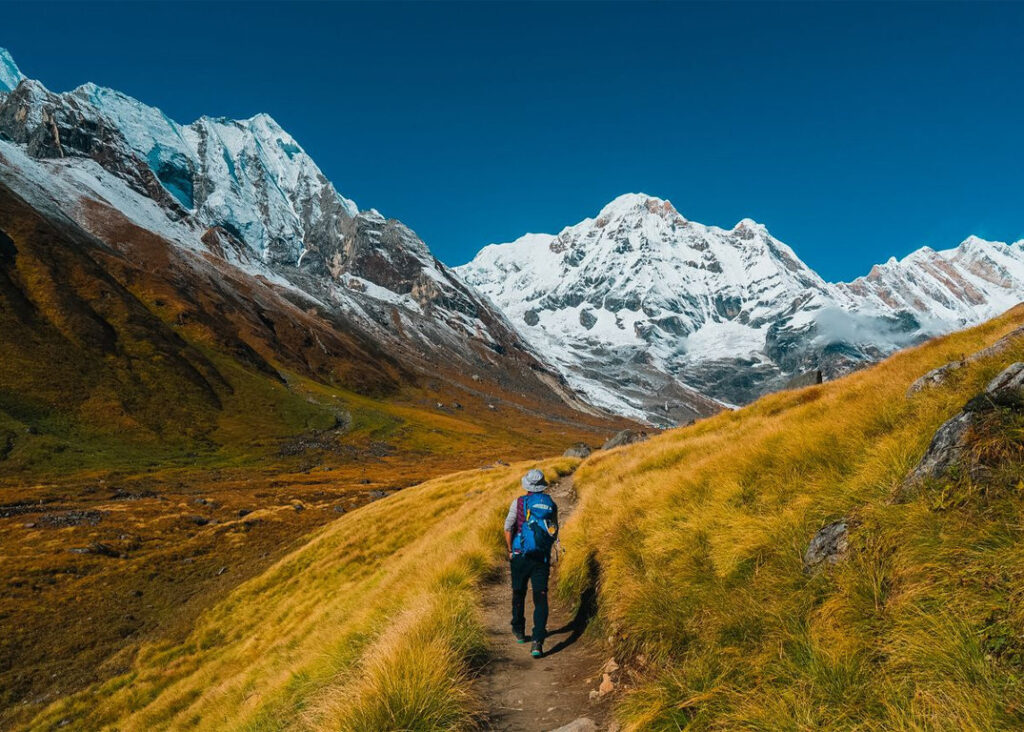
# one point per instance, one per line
(650, 314)
(638, 312)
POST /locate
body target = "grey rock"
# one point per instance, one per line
(946, 448)
(625, 437)
(71, 518)
(808, 378)
(1009, 381)
(935, 377)
(579, 450)
(829, 546)
(97, 548)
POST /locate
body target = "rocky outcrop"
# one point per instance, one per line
(579, 450)
(808, 378)
(829, 546)
(950, 446)
(625, 437)
(939, 376)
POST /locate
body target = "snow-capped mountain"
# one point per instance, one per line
(645, 311)
(245, 193)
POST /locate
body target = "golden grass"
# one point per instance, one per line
(699, 535)
(370, 626)
(695, 541)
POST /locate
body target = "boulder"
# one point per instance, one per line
(935, 377)
(579, 450)
(583, 724)
(949, 444)
(829, 546)
(808, 378)
(626, 437)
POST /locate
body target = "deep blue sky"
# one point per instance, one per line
(855, 132)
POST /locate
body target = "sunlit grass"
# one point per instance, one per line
(698, 537)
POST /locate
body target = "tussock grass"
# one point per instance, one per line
(698, 537)
(372, 625)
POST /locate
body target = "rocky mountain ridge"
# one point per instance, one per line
(243, 194)
(648, 313)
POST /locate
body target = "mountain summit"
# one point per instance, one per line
(644, 310)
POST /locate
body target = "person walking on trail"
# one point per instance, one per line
(531, 529)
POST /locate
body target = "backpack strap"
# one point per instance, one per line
(520, 514)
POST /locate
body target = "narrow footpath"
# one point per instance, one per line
(537, 695)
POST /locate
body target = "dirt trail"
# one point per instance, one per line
(537, 695)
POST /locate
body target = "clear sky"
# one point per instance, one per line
(854, 132)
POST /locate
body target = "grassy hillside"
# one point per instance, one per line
(170, 427)
(695, 542)
(697, 538)
(370, 626)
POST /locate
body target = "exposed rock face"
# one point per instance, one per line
(829, 546)
(644, 310)
(949, 447)
(935, 377)
(579, 450)
(625, 437)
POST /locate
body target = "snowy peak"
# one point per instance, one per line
(639, 203)
(647, 292)
(10, 74)
(639, 304)
(947, 289)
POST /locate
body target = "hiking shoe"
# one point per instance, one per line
(520, 636)
(537, 649)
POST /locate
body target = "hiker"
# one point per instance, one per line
(531, 528)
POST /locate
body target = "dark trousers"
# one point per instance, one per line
(526, 570)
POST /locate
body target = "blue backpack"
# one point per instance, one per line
(538, 530)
